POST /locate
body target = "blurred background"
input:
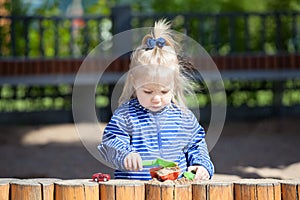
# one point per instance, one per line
(255, 45)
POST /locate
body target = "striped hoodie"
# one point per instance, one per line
(171, 134)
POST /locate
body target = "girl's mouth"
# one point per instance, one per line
(155, 107)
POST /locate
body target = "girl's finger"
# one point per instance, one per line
(127, 163)
(134, 163)
(140, 164)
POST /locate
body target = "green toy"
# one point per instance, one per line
(159, 162)
(189, 175)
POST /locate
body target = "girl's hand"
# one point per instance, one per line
(201, 172)
(133, 162)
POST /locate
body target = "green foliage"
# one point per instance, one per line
(16, 7)
(57, 38)
(186, 5)
(217, 6)
(22, 98)
(48, 8)
(255, 24)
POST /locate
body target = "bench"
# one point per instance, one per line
(233, 67)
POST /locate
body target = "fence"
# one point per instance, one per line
(249, 47)
(220, 33)
(83, 189)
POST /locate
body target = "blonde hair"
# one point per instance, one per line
(159, 61)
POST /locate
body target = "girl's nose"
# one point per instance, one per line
(156, 98)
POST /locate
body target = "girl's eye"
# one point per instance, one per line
(147, 91)
(164, 91)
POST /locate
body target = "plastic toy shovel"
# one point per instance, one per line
(159, 162)
(189, 175)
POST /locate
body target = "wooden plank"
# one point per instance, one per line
(257, 189)
(139, 192)
(122, 190)
(47, 187)
(68, 189)
(264, 191)
(167, 192)
(91, 189)
(81, 189)
(199, 190)
(25, 190)
(277, 190)
(290, 189)
(213, 189)
(245, 189)
(84, 189)
(238, 192)
(107, 191)
(220, 190)
(183, 192)
(153, 191)
(159, 191)
(134, 190)
(270, 188)
(4, 188)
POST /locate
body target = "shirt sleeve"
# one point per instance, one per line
(197, 151)
(115, 145)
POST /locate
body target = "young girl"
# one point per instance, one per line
(152, 120)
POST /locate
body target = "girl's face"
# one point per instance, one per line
(154, 96)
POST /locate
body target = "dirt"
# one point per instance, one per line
(264, 148)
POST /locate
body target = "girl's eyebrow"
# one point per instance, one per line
(146, 88)
(156, 88)
(166, 88)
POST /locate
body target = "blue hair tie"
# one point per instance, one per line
(159, 42)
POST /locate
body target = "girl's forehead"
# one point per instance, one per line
(154, 83)
(156, 86)
(153, 75)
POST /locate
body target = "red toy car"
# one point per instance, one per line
(99, 177)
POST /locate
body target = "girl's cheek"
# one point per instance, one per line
(168, 100)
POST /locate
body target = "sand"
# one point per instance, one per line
(264, 148)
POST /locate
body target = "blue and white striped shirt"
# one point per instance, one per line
(171, 134)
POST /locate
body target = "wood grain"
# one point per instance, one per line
(199, 190)
(183, 192)
(85, 189)
(168, 191)
(213, 189)
(47, 187)
(290, 189)
(220, 190)
(153, 191)
(122, 190)
(4, 188)
(107, 191)
(25, 190)
(76, 189)
(257, 189)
